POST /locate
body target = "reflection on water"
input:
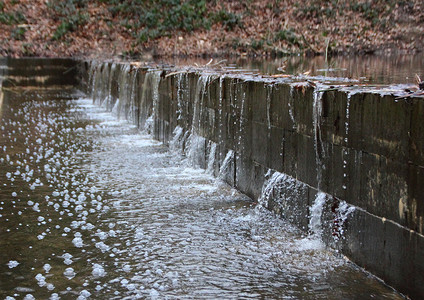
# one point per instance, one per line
(368, 69)
(92, 208)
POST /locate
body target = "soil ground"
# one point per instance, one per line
(239, 28)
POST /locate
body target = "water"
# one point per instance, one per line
(318, 145)
(315, 225)
(367, 69)
(92, 208)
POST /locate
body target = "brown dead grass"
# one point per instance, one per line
(401, 28)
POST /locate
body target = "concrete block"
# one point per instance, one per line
(280, 96)
(260, 143)
(416, 140)
(303, 107)
(244, 138)
(382, 247)
(290, 155)
(309, 169)
(276, 149)
(384, 188)
(384, 124)
(290, 200)
(415, 203)
(256, 96)
(244, 174)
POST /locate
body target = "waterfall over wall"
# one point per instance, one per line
(347, 163)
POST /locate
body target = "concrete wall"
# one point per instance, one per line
(364, 150)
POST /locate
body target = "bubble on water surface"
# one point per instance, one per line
(67, 258)
(54, 296)
(41, 280)
(12, 264)
(47, 268)
(84, 294)
(69, 273)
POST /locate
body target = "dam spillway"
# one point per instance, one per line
(333, 161)
(362, 147)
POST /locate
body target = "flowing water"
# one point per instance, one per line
(90, 207)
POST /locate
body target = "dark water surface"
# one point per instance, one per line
(365, 69)
(92, 208)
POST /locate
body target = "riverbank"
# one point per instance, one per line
(106, 29)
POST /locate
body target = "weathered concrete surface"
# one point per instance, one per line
(357, 146)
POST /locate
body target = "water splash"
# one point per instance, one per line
(195, 150)
(316, 210)
(211, 158)
(115, 109)
(149, 125)
(225, 167)
(275, 182)
(177, 140)
(342, 213)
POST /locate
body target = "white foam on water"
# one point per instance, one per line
(310, 243)
(69, 273)
(139, 141)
